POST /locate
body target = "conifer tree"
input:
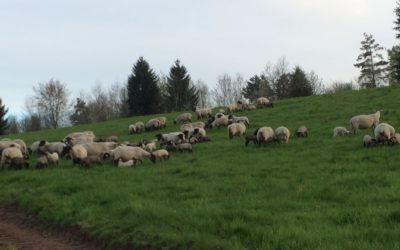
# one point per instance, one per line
(299, 84)
(257, 86)
(3, 120)
(394, 53)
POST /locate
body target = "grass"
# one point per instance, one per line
(314, 193)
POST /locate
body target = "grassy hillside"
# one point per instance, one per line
(314, 193)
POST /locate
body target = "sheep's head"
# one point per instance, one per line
(152, 157)
(158, 136)
(66, 150)
(42, 143)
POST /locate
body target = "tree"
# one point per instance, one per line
(3, 120)
(30, 122)
(397, 21)
(371, 63)
(202, 91)
(13, 125)
(143, 93)
(282, 86)
(257, 86)
(228, 90)
(181, 94)
(81, 113)
(299, 83)
(394, 53)
(51, 102)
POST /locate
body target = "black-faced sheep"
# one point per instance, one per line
(52, 158)
(202, 112)
(9, 153)
(126, 153)
(340, 131)
(236, 129)
(282, 134)
(235, 119)
(174, 137)
(395, 139)
(182, 118)
(42, 162)
(222, 121)
(77, 153)
(18, 163)
(364, 121)
(302, 131)
(163, 121)
(384, 132)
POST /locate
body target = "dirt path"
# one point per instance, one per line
(20, 232)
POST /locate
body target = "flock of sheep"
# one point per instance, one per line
(85, 149)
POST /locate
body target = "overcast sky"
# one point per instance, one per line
(84, 42)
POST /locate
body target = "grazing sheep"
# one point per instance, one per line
(368, 141)
(9, 144)
(222, 121)
(112, 138)
(93, 159)
(384, 132)
(42, 162)
(163, 121)
(364, 121)
(200, 131)
(264, 135)
(79, 138)
(150, 147)
(97, 148)
(78, 152)
(18, 163)
(52, 147)
(282, 134)
(125, 164)
(395, 139)
(202, 112)
(251, 107)
(34, 148)
(264, 102)
(236, 119)
(184, 147)
(24, 148)
(175, 137)
(152, 124)
(139, 126)
(193, 140)
(132, 129)
(126, 153)
(182, 118)
(210, 120)
(9, 153)
(232, 108)
(52, 158)
(161, 154)
(249, 138)
(302, 131)
(340, 131)
(236, 129)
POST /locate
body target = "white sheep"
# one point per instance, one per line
(384, 132)
(18, 163)
(150, 147)
(42, 162)
(77, 153)
(174, 137)
(9, 153)
(98, 148)
(184, 147)
(364, 121)
(368, 141)
(232, 108)
(152, 124)
(222, 121)
(126, 153)
(340, 131)
(125, 164)
(202, 112)
(52, 158)
(182, 118)
(236, 119)
(264, 135)
(139, 126)
(236, 129)
(52, 147)
(163, 121)
(264, 102)
(35, 146)
(282, 134)
(395, 139)
(302, 131)
(161, 154)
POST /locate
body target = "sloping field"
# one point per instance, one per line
(314, 193)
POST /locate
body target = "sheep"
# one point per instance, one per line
(79, 138)
(236, 129)
(249, 138)
(42, 162)
(97, 148)
(112, 138)
(182, 118)
(52, 147)
(200, 131)
(251, 107)
(92, 159)
(8, 144)
(126, 153)
(34, 148)
(125, 164)
(78, 152)
(52, 158)
(170, 137)
(152, 124)
(131, 129)
(161, 154)
(184, 147)
(302, 131)
(264, 135)
(150, 147)
(235, 119)
(24, 148)
(368, 141)
(384, 132)
(9, 153)
(340, 131)
(18, 163)
(232, 108)
(202, 112)
(163, 121)
(364, 121)
(219, 122)
(282, 134)
(395, 139)
(264, 102)
(139, 126)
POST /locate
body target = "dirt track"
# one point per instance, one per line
(20, 232)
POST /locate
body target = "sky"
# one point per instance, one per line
(82, 43)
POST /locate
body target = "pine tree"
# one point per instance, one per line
(3, 119)
(257, 86)
(394, 53)
(81, 113)
(143, 93)
(181, 94)
(299, 84)
(282, 86)
(371, 63)
(397, 21)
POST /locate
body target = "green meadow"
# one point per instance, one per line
(313, 193)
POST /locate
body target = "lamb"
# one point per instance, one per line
(235, 119)
(42, 162)
(282, 134)
(125, 164)
(163, 121)
(264, 135)
(126, 153)
(52, 158)
(384, 132)
(340, 131)
(161, 154)
(368, 141)
(170, 137)
(150, 147)
(152, 124)
(236, 129)
(232, 108)
(202, 113)
(364, 121)
(264, 102)
(302, 131)
(9, 153)
(249, 138)
(182, 118)
(223, 121)
(18, 163)
(92, 159)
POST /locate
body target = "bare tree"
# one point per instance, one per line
(203, 93)
(316, 83)
(13, 125)
(51, 101)
(228, 90)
